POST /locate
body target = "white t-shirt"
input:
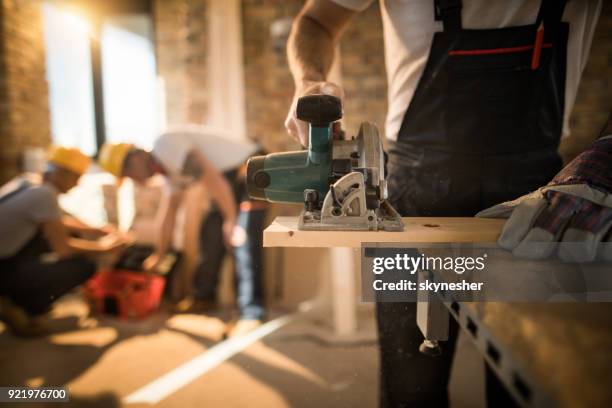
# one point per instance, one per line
(172, 147)
(409, 27)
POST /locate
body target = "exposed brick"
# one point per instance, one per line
(24, 106)
(269, 86)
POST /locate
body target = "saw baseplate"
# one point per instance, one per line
(383, 219)
(345, 209)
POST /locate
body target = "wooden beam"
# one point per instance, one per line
(283, 232)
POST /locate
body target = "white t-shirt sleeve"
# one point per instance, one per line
(171, 150)
(355, 5)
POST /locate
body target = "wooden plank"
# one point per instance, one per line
(560, 350)
(283, 232)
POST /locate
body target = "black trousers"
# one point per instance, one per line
(459, 187)
(408, 377)
(212, 252)
(34, 284)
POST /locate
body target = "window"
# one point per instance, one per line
(101, 75)
(69, 75)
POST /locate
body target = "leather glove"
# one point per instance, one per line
(572, 215)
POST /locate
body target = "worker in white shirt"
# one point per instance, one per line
(195, 154)
(480, 94)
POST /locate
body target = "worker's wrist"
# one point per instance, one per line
(307, 80)
(107, 229)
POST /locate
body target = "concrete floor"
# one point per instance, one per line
(103, 360)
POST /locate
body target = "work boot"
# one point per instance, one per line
(19, 321)
(241, 327)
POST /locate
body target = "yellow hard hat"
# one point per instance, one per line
(69, 158)
(112, 157)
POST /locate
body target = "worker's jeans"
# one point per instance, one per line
(35, 285)
(248, 259)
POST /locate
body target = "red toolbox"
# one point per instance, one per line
(124, 293)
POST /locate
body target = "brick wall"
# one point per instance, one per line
(4, 108)
(268, 82)
(24, 107)
(269, 86)
(181, 43)
(363, 71)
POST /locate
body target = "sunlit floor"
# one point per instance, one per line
(182, 361)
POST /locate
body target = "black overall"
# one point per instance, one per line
(483, 127)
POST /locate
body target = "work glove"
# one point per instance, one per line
(572, 215)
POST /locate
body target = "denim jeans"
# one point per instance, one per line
(248, 262)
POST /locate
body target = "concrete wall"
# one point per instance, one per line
(24, 106)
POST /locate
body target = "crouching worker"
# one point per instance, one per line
(40, 260)
(194, 154)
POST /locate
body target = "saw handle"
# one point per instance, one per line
(319, 110)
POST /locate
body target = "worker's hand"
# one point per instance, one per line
(228, 232)
(239, 236)
(571, 215)
(107, 229)
(152, 262)
(299, 129)
(113, 243)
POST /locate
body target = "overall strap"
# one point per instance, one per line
(550, 13)
(22, 187)
(449, 11)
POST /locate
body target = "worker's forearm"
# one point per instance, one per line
(76, 225)
(77, 245)
(56, 234)
(310, 50)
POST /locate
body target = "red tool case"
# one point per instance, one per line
(124, 290)
(124, 293)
